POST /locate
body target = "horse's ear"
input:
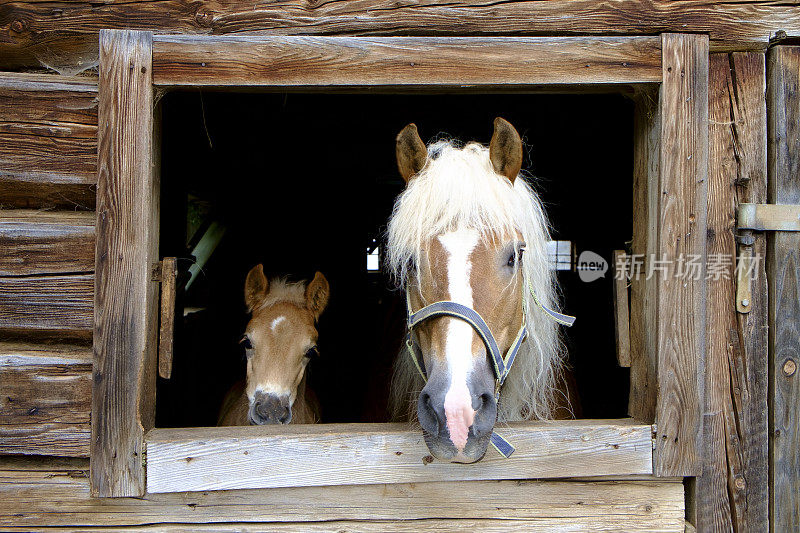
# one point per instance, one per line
(317, 294)
(411, 152)
(256, 287)
(505, 150)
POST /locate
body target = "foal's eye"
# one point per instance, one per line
(246, 343)
(312, 353)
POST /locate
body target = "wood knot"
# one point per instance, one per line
(428, 459)
(739, 483)
(204, 18)
(789, 367)
(18, 26)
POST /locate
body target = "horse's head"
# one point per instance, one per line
(280, 340)
(468, 251)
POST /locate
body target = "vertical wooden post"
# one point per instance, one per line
(783, 266)
(732, 493)
(643, 317)
(125, 299)
(681, 242)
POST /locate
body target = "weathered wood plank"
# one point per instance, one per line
(622, 333)
(783, 263)
(36, 242)
(543, 525)
(681, 302)
(166, 332)
(750, 363)
(645, 505)
(643, 309)
(44, 406)
(266, 457)
(48, 141)
(400, 61)
(732, 493)
(34, 34)
(125, 304)
(59, 303)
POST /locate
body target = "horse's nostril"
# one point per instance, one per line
(485, 399)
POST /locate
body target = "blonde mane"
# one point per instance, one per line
(458, 188)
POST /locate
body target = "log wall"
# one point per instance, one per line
(48, 167)
(48, 161)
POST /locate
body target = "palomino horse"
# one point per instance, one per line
(280, 340)
(456, 240)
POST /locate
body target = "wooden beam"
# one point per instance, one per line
(48, 141)
(44, 407)
(346, 454)
(36, 242)
(41, 303)
(643, 309)
(732, 493)
(402, 61)
(646, 505)
(621, 313)
(166, 332)
(126, 298)
(36, 35)
(681, 301)
(783, 263)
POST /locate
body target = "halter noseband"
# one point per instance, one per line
(501, 365)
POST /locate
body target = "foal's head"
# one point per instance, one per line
(280, 340)
(457, 234)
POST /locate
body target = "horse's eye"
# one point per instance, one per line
(312, 353)
(515, 257)
(246, 343)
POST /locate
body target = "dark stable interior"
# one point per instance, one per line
(306, 182)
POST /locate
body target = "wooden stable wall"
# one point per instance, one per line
(48, 154)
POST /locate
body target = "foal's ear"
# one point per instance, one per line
(317, 294)
(411, 152)
(505, 150)
(256, 287)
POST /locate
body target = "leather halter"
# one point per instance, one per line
(500, 364)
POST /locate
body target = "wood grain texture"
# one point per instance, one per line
(35, 33)
(125, 305)
(44, 406)
(345, 454)
(732, 493)
(56, 303)
(166, 331)
(43, 242)
(783, 263)
(401, 61)
(681, 303)
(48, 141)
(646, 505)
(643, 308)
(621, 314)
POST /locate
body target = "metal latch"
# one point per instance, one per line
(768, 217)
(758, 217)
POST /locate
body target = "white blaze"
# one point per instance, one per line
(458, 341)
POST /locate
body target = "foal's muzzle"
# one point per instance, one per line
(270, 409)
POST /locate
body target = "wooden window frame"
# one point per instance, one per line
(668, 75)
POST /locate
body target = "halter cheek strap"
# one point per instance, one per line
(500, 364)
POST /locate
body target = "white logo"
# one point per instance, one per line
(591, 266)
